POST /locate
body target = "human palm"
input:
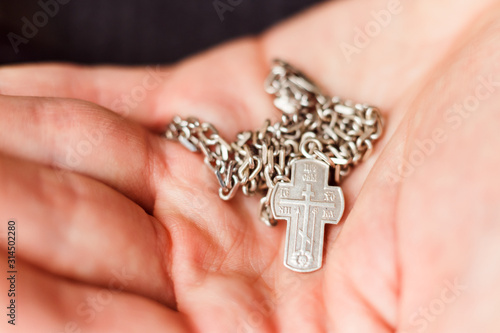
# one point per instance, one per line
(121, 230)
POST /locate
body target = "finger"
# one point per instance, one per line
(79, 136)
(46, 303)
(76, 227)
(228, 81)
(124, 90)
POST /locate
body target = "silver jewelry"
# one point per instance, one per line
(289, 162)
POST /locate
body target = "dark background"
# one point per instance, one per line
(130, 31)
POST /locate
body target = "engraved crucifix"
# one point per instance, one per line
(307, 203)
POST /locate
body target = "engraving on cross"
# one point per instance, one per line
(307, 203)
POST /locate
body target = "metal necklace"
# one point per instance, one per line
(289, 162)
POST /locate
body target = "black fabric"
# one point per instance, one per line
(129, 31)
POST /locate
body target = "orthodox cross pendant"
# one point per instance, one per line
(307, 203)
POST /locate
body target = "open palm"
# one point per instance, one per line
(121, 230)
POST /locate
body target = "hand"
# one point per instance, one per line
(120, 230)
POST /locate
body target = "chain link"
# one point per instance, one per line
(339, 133)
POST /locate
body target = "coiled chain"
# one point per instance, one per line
(339, 133)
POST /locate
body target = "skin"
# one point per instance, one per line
(120, 230)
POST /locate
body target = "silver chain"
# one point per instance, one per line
(339, 133)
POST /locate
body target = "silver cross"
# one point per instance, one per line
(307, 203)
